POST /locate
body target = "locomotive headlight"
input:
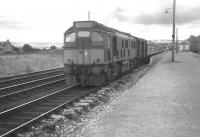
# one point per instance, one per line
(86, 53)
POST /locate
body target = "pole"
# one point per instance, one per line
(88, 15)
(177, 48)
(173, 35)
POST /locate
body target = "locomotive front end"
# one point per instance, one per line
(84, 53)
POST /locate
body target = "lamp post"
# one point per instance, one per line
(173, 31)
(173, 35)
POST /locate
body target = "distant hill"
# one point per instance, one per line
(164, 41)
(39, 45)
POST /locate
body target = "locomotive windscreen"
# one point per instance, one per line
(83, 24)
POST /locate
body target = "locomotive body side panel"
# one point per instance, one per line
(84, 57)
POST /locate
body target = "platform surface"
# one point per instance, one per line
(164, 103)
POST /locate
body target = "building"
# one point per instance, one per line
(6, 48)
(186, 47)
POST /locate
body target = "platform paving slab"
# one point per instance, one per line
(164, 103)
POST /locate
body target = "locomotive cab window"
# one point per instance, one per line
(96, 37)
(70, 37)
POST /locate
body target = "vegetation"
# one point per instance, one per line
(53, 48)
(16, 49)
(18, 64)
(194, 42)
(28, 48)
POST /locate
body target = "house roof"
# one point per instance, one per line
(6, 43)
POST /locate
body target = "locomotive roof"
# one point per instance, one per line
(99, 26)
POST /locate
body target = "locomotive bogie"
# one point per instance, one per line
(87, 75)
(68, 69)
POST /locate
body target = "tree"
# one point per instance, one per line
(27, 48)
(53, 47)
(194, 42)
(16, 49)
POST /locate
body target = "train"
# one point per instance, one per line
(95, 53)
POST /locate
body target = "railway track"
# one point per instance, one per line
(14, 89)
(47, 92)
(14, 80)
(24, 90)
(22, 96)
(22, 115)
(14, 119)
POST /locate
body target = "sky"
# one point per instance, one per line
(47, 20)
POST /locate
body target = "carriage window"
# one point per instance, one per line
(96, 36)
(83, 34)
(70, 37)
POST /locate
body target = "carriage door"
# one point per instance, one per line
(83, 44)
(80, 51)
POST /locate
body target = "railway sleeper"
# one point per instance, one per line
(53, 104)
(20, 118)
(30, 113)
(9, 124)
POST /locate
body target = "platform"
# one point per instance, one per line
(164, 103)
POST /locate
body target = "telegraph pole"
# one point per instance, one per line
(173, 35)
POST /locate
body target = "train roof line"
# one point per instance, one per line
(105, 28)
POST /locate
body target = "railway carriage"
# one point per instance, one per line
(94, 53)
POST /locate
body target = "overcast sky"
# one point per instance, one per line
(46, 20)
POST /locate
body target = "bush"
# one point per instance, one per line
(27, 48)
(194, 42)
(53, 47)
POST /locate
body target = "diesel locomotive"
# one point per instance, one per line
(94, 53)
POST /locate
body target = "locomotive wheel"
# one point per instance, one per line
(67, 70)
(69, 80)
(83, 82)
(109, 75)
